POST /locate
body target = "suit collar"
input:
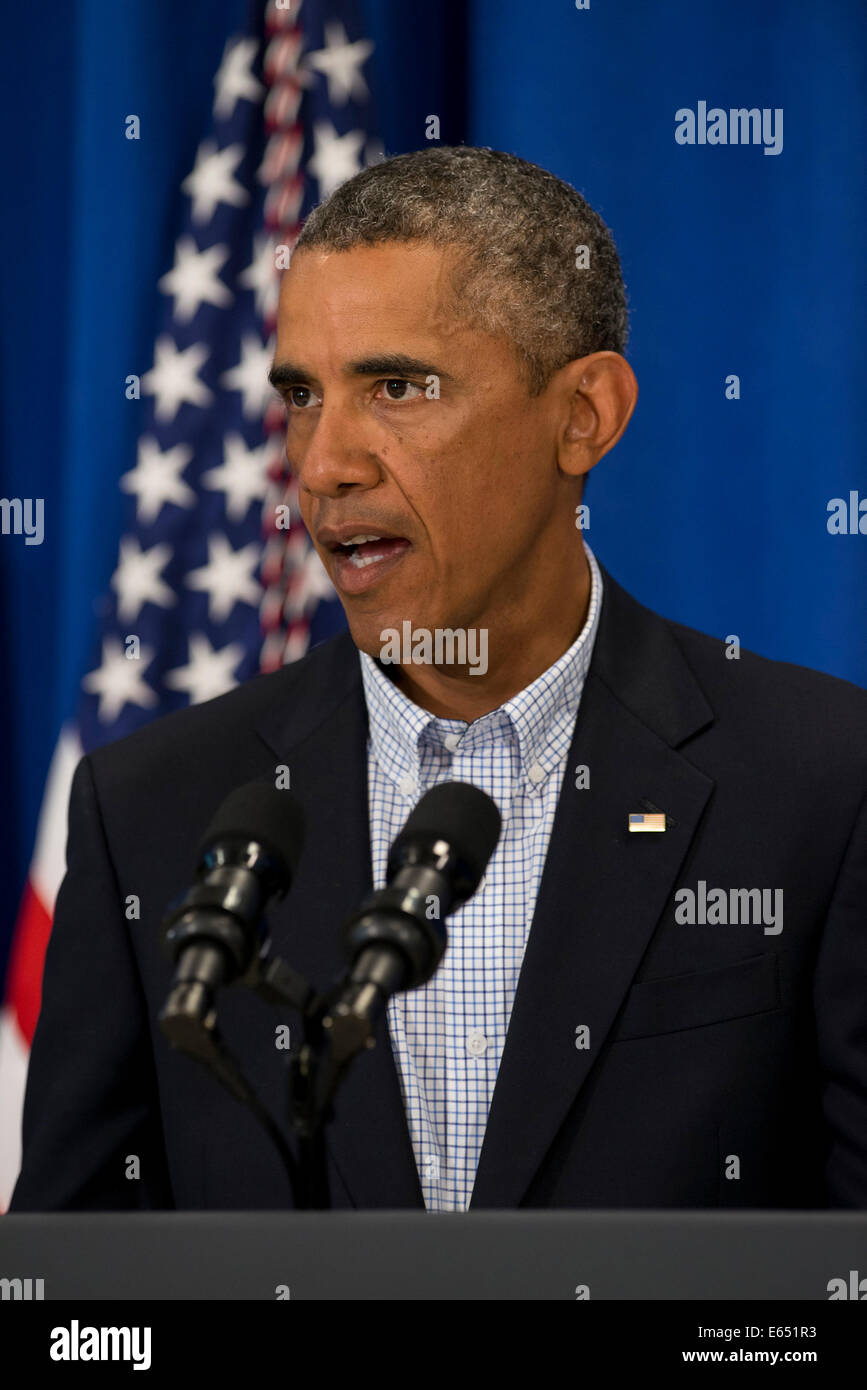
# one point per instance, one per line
(311, 693)
(635, 655)
(638, 658)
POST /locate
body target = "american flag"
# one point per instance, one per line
(210, 585)
(641, 821)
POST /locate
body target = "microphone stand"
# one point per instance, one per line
(336, 1028)
(332, 1037)
(275, 982)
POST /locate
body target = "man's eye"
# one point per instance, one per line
(301, 398)
(401, 389)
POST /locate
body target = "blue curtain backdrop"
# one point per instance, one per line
(712, 511)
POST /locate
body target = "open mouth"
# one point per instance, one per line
(363, 559)
(366, 550)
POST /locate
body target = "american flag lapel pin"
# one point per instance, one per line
(642, 820)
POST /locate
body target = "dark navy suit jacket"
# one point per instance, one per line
(726, 1066)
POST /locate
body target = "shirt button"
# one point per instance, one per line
(536, 773)
(407, 785)
(476, 1043)
(452, 742)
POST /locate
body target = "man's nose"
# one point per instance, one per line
(339, 455)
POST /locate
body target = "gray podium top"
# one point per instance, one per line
(680, 1255)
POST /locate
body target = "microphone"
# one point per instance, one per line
(397, 939)
(247, 856)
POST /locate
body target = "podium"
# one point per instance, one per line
(641, 1255)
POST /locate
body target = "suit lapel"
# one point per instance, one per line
(321, 735)
(602, 890)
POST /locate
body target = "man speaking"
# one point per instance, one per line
(658, 995)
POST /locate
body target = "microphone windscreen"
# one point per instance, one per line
(260, 811)
(463, 815)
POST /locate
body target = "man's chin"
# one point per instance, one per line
(378, 620)
(369, 632)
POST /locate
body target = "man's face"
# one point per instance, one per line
(460, 487)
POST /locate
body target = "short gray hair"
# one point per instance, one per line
(519, 228)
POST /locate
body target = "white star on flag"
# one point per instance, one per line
(211, 181)
(335, 158)
(341, 62)
(242, 476)
(156, 478)
(209, 672)
(227, 578)
(137, 579)
(173, 379)
(193, 279)
(120, 680)
(234, 78)
(260, 275)
(250, 377)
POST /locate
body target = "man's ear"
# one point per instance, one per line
(597, 396)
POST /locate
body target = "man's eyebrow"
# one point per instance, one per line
(394, 364)
(285, 374)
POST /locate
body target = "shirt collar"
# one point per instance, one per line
(540, 717)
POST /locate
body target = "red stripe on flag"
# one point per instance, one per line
(24, 976)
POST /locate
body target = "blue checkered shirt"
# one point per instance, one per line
(448, 1036)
